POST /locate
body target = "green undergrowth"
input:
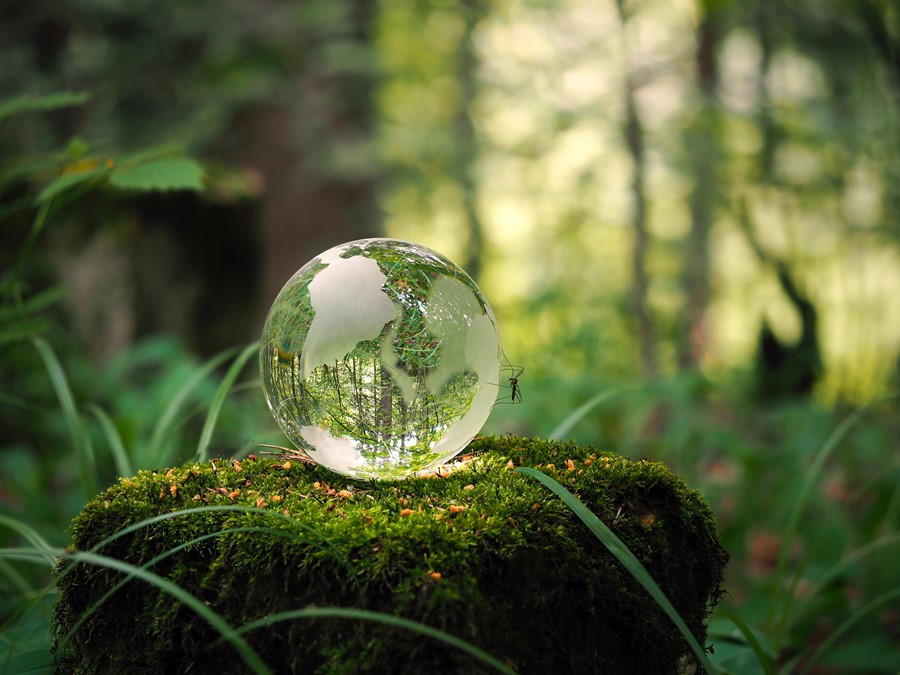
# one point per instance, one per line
(483, 554)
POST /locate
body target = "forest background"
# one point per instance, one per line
(685, 214)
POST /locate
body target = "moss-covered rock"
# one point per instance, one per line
(483, 553)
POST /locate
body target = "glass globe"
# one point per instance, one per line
(380, 358)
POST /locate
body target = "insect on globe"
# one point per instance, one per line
(380, 359)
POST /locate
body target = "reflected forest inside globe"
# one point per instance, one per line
(380, 358)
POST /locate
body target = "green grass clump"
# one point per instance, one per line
(483, 554)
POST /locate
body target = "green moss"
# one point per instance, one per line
(484, 553)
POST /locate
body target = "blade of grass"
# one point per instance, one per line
(385, 619)
(81, 442)
(150, 563)
(338, 556)
(6, 399)
(34, 304)
(765, 661)
(778, 596)
(823, 647)
(835, 571)
(40, 220)
(116, 447)
(30, 534)
(855, 555)
(560, 433)
(624, 556)
(219, 399)
(892, 512)
(18, 633)
(16, 580)
(154, 453)
(251, 658)
(28, 554)
(28, 103)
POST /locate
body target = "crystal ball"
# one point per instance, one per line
(380, 359)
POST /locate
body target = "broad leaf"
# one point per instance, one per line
(172, 173)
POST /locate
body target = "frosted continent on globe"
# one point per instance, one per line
(380, 358)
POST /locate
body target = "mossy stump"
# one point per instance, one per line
(484, 554)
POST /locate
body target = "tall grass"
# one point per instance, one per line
(81, 442)
(39, 552)
(27, 649)
(219, 399)
(39, 555)
(777, 620)
(158, 450)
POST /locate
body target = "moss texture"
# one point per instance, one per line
(483, 553)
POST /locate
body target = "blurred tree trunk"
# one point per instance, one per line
(763, 18)
(314, 149)
(283, 87)
(782, 369)
(634, 134)
(875, 16)
(703, 144)
(467, 142)
(634, 138)
(884, 39)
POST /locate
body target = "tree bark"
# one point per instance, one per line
(312, 199)
(634, 138)
(634, 134)
(467, 147)
(704, 151)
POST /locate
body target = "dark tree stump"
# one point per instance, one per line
(483, 553)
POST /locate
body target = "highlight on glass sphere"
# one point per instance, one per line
(380, 359)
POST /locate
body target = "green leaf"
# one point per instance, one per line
(152, 153)
(77, 148)
(27, 103)
(172, 173)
